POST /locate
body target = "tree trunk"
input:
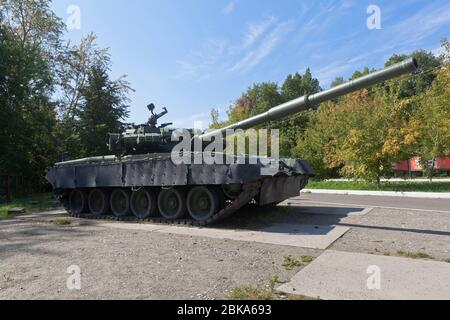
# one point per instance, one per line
(8, 189)
(378, 183)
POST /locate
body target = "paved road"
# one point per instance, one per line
(378, 201)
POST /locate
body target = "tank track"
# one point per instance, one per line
(249, 191)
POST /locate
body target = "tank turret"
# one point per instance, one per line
(144, 138)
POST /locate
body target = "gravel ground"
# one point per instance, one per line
(131, 264)
(124, 264)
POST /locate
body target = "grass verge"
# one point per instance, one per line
(403, 186)
(414, 255)
(248, 292)
(35, 202)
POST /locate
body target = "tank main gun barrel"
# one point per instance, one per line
(307, 102)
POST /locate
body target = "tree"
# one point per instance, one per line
(73, 70)
(362, 130)
(336, 82)
(27, 115)
(431, 121)
(257, 99)
(312, 144)
(298, 85)
(75, 64)
(292, 128)
(409, 86)
(215, 122)
(103, 108)
(33, 23)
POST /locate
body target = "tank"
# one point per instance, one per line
(139, 180)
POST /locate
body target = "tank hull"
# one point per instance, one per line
(261, 181)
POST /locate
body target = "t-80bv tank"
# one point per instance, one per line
(141, 181)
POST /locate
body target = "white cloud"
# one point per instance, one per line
(198, 64)
(253, 57)
(330, 72)
(412, 31)
(256, 30)
(229, 8)
(217, 57)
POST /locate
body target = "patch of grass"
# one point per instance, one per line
(300, 297)
(447, 260)
(403, 186)
(35, 202)
(248, 292)
(63, 222)
(414, 255)
(290, 263)
(273, 280)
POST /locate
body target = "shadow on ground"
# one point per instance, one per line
(27, 236)
(253, 217)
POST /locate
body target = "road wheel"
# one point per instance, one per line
(120, 202)
(143, 203)
(172, 203)
(98, 202)
(202, 203)
(232, 191)
(78, 201)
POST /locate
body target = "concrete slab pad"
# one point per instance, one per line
(296, 235)
(345, 275)
(16, 210)
(132, 226)
(305, 236)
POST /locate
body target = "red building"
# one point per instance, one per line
(413, 165)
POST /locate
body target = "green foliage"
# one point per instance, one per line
(360, 135)
(26, 110)
(101, 110)
(432, 122)
(35, 202)
(54, 98)
(215, 122)
(263, 96)
(407, 87)
(337, 81)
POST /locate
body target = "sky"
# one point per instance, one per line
(194, 55)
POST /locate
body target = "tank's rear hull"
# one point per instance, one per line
(268, 184)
